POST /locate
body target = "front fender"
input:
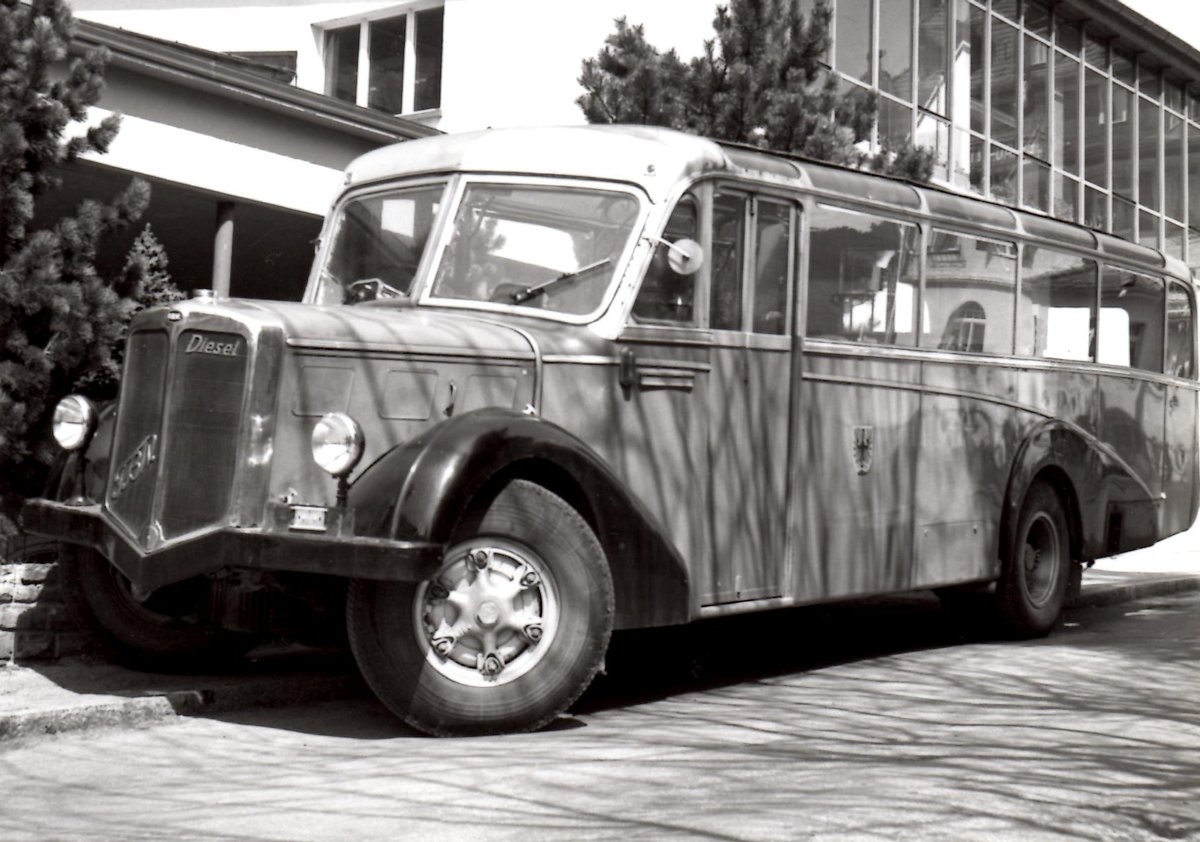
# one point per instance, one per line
(421, 490)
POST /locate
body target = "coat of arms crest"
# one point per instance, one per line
(864, 447)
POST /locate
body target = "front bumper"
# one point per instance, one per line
(349, 556)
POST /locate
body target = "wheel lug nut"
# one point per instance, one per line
(491, 665)
(531, 579)
(533, 632)
(443, 646)
(480, 558)
(438, 591)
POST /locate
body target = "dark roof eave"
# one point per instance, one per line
(1143, 35)
(190, 68)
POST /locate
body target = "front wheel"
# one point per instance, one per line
(505, 636)
(1036, 567)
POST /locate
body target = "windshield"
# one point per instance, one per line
(377, 245)
(548, 248)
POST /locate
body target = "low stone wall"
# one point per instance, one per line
(33, 620)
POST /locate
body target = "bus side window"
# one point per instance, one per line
(773, 245)
(666, 296)
(1056, 313)
(1131, 320)
(728, 247)
(969, 290)
(1180, 329)
(863, 273)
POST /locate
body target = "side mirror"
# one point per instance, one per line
(685, 257)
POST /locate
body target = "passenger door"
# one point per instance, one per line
(1179, 480)
(749, 395)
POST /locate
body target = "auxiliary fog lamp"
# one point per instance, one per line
(74, 422)
(337, 445)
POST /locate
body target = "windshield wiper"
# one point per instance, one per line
(523, 295)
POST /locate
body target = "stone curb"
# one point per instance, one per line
(232, 694)
(222, 698)
(1115, 593)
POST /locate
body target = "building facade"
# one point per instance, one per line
(1081, 109)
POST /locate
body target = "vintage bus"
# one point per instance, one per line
(549, 383)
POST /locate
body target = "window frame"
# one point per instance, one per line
(409, 12)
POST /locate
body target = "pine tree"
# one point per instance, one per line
(760, 80)
(60, 321)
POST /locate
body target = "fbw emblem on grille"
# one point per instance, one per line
(133, 467)
(864, 447)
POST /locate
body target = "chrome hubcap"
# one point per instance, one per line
(489, 615)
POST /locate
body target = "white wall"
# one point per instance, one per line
(505, 62)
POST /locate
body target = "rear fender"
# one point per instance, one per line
(422, 490)
(1110, 508)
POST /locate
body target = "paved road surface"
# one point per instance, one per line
(853, 722)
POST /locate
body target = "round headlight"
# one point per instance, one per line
(337, 443)
(74, 422)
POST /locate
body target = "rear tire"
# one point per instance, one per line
(162, 634)
(1036, 567)
(505, 636)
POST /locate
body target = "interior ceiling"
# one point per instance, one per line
(272, 248)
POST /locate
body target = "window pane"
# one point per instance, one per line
(1122, 67)
(1148, 153)
(1008, 8)
(1004, 82)
(1066, 113)
(1173, 240)
(1037, 185)
(387, 65)
(729, 242)
(773, 241)
(541, 248)
(1095, 130)
(1173, 95)
(931, 55)
(1124, 152)
(1068, 36)
(1066, 197)
(428, 83)
(969, 294)
(1123, 218)
(863, 276)
(1095, 52)
(1179, 333)
(667, 296)
(895, 122)
(1095, 208)
(1037, 97)
(895, 48)
(1148, 229)
(852, 21)
(933, 134)
(1173, 165)
(1004, 176)
(1193, 149)
(1150, 81)
(977, 33)
(379, 238)
(977, 158)
(1058, 295)
(341, 56)
(1131, 318)
(1037, 19)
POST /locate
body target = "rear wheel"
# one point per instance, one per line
(1036, 567)
(162, 633)
(505, 636)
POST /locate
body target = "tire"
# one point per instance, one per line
(1036, 567)
(505, 637)
(161, 634)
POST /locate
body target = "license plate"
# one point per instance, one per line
(308, 518)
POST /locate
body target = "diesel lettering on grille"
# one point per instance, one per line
(132, 468)
(201, 344)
